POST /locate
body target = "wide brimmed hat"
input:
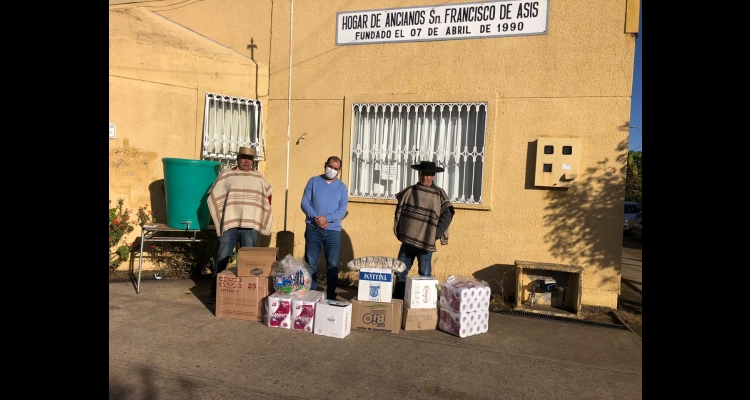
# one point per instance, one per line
(246, 151)
(427, 166)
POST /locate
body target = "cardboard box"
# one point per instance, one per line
(241, 297)
(375, 284)
(333, 318)
(541, 299)
(256, 261)
(376, 316)
(421, 292)
(420, 319)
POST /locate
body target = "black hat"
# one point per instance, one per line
(427, 166)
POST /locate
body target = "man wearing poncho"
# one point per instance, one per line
(240, 205)
(423, 215)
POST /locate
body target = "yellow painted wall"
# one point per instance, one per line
(574, 81)
(159, 73)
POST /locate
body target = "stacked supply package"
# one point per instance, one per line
(303, 310)
(279, 310)
(464, 306)
(420, 304)
(292, 306)
(374, 309)
(293, 311)
(242, 289)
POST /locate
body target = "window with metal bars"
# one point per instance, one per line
(388, 138)
(230, 123)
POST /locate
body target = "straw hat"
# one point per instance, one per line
(246, 151)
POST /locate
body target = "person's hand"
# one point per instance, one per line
(321, 221)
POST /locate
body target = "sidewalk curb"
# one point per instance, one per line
(620, 320)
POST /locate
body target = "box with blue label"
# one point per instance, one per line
(375, 284)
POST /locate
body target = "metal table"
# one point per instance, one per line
(151, 232)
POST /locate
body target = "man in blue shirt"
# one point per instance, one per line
(324, 202)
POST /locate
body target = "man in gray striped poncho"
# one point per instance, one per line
(423, 215)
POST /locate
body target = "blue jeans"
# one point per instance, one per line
(227, 242)
(317, 240)
(406, 254)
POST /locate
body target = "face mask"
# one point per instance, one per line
(331, 173)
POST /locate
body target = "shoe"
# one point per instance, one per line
(211, 298)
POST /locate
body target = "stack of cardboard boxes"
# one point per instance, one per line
(374, 309)
(245, 292)
(241, 291)
(420, 304)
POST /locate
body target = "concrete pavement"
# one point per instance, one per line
(166, 343)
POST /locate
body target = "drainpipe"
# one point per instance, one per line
(285, 238)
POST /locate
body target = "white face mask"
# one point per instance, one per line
(331, 173)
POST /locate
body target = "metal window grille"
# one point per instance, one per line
(230, 123)
(388, 138)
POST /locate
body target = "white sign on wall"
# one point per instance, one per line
(112, 131)
(443, 22)
(388, 172)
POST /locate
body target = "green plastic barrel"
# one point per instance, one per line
(186, 184)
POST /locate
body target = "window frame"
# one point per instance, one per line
(235, 126)
(489, 102)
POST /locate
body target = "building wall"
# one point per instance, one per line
(159, 73)
(573, 82)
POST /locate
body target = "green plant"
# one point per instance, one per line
(120, 225)
(178, 260)
(634, 177)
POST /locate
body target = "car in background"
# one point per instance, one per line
(631, 209)
(635, 226)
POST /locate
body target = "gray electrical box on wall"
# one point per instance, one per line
(556, 162)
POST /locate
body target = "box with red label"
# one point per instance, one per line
(241, 297)
(256, 261)
(421, 292)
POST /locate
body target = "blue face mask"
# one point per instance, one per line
(331, 173)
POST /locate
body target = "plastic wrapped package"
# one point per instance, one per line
(463, 324)
(381, 262)
(292, 276)
(465, 294)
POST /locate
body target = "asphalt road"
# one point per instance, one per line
(632, 278)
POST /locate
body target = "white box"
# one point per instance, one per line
(421, 292)
(333, 318)
(375, 284)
